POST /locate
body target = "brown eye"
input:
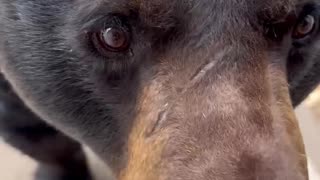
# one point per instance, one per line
(115, 39)
(305, 27)
(111, 39)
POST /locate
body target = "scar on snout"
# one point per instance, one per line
(205, 68)
(200, 73)
(162, 116)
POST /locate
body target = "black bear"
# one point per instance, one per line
(159, 89)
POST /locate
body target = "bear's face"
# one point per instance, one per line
(165, 89)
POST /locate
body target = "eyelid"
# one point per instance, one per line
(308, 9)
(296, 34)
(103, 21)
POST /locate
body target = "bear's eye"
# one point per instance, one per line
(114, 39)
(304, 27)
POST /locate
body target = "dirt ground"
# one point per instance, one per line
(16, 166)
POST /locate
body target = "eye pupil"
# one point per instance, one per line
(115, 38)
(305, 27)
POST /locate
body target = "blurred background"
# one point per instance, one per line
(16, 166)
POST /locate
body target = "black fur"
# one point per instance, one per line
(60, 157)
(304, 64)
(46, 56)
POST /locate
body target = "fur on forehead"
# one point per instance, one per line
(153, 13)
(165, 13)
(158, 13)
(273, 9)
